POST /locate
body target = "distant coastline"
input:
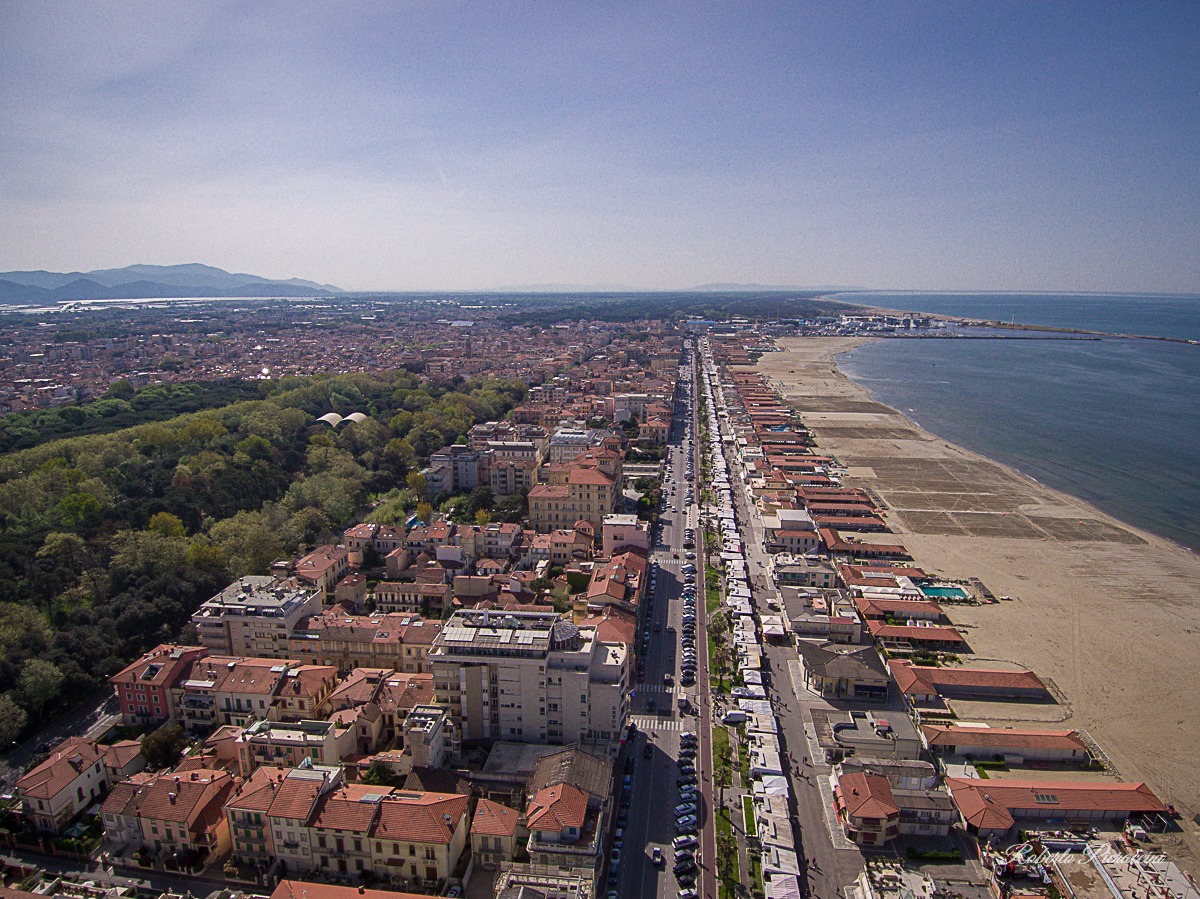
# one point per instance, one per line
(1106, 435)
(1082, 580)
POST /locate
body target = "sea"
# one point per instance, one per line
(1114, 421)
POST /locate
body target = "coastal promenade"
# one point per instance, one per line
(1109, 613)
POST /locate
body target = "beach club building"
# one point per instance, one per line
(1015, 744)
(994, 807)
(920, 636)
(927, 685)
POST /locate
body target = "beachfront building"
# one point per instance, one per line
(925, 685)
(802, 571)
(994, 807)
(866, 808)
(839, 671)
(790, 531)
(919, 637)
(1015, 744)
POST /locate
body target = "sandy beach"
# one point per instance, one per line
(1109, 613)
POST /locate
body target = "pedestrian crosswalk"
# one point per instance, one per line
(657, 724)
(658, 688)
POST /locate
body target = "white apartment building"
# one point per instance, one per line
(254, 616)
(529, 677)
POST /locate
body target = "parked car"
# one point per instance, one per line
(684, 868)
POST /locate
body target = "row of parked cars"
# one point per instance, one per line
(687, 631)
(688, 816)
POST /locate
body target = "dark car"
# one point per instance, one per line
(684, 868)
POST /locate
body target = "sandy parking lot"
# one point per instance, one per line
(1109, 613)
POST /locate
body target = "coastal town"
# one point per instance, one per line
(703, 661)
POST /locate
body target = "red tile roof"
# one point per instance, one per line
(257, 794)
(556, 808)
(161, 666)
(988, 804)
(867, 796)
(295, 798)
(877, 608)
(301, 889)
(904, 632)
(350, 808)
(195, 798)
(1002, 737)
(493, 819)
(420, 817)
(67, 761)
(921, 679)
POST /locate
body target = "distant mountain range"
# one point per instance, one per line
(147, 281)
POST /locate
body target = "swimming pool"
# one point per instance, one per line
(944, 592)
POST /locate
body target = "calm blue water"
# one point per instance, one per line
(1165, 315)
(1115, 422)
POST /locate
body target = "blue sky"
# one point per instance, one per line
(413, 146)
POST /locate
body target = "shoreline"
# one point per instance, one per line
(1072, 482)
(1107, 611)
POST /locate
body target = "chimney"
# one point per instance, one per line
(171, 796)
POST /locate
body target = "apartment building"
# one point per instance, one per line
(323, 568)
(288, 743)
(454, 469)
(254, 616)
(567, 443)
(514, 465)
(619, 532)
(181, 814)
(400, 642)
(246, 690)
(583, 493)
(529, 677)
(419, 837)
(143, 688)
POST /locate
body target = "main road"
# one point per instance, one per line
(650, 817)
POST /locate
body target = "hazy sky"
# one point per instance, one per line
(439, 145)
